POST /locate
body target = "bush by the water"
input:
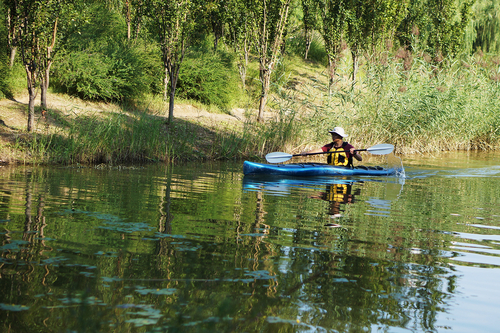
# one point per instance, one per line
(98, 62)
(209, 78)
(93, 75)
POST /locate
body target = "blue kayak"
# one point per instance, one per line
(313, 169)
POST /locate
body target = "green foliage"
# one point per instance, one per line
(412, 32)
(317, 53)
(448, 20)
(333, 25)
(115, 73)
(99, 65)
(209, 78)
(483, 32)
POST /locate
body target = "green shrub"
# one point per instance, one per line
(12, 80)
(115, 73)
(100, 64)
(208, 78)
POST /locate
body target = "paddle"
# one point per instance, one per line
(380, 149)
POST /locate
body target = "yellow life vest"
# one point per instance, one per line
(337, 192)
(338, 159)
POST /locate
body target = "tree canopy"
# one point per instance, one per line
(121, 49)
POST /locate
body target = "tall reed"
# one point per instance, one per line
(415, 104)
(428, 108)
(97, 138)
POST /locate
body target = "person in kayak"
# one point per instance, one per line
(345, 151)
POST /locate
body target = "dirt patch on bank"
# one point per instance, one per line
(13, 112)
(14, 117)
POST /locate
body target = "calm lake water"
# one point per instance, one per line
(201, 248)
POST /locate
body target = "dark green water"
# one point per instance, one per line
(200, 248)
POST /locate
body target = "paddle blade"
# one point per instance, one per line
(278, 157)
(381, 149)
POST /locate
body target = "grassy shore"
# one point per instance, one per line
(418, 106)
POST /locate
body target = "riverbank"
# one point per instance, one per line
(419, 110)
(64, 112)
(73, 131)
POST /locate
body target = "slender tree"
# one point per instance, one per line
(217, 16)
(369, 22)
(271, 17)
(332, 29)
(241, 26)
(310, 22)
(12, 40)
(46, 60)
(172, 25)
(133, 11)
(36, 29)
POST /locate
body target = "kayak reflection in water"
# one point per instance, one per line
(342, 153)
(338, 195)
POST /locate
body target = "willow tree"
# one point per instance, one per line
(35, 24)
(172, 25)
(484, 29)
(271, 17)
(332, 29)
(449, 19)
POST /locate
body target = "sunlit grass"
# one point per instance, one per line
(427, 109)
(419, 108)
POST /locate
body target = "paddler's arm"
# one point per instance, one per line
(314, 151)
(356, 154)
(323, 149)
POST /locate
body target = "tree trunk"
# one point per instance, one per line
(243, 64)
(31, 80)
(332, 66)
(266, 80)
(129, 21)
(31, 109)
(174, 75)
(165, 84)
(355, 65)
(308, 38)
(13, 51)
(243, 74)
(44, 87)
(11, 38)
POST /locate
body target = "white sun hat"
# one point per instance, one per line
(339, 131)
